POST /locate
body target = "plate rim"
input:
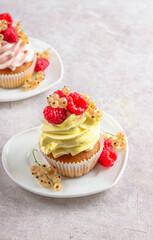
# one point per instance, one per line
(47, 87)
(68, 195)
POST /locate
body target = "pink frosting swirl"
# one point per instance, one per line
(13, 55)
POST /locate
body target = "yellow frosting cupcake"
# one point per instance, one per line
(74, 145)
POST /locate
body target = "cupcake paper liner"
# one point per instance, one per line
(18, 79)
(76, 169)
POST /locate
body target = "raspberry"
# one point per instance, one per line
(107, 157)
(55, 115)
(76, 103)
(107, 143)
(10, 35)
(41, 64)
(60, 93)
(7, 17)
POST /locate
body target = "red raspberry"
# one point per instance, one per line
(76, 103)
(107, 157)
(55, 115)
(7, 17)
(60, 93)
(108, 143)
(41, 64)
(10, 35)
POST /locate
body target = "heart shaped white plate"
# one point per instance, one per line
(53, 75)
(17, 160)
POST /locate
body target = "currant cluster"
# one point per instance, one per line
(34, 82)
(92, 110)
(41, 65)
(21, 35)
(118, 141)
(47, 176)
(45, 54)
(58, 98)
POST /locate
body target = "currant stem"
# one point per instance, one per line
(48, 49)
(109, 133)
(39, 165)
(49, 179)
(35, 156)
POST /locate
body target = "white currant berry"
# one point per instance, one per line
(51, 170)
(62, 102)
(57, 187)
(92, 114)
(56, 179)
(99, 113)
(66, 90)
(54, 104)
(93, 105)
(55, 96)
(86, 97)
(43, 168)
(34, 169)
(1, 36)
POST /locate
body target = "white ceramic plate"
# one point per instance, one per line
(53, 75)
(17, 159)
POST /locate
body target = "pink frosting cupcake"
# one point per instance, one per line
(17, 59)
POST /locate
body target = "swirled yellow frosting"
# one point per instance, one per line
(76, 134)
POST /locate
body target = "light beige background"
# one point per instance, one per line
(107, 51)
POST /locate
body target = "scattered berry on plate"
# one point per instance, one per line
(57, 187)
(107, 143)
(56, 179)
(107, 157)
(41, 64)
(46, 175)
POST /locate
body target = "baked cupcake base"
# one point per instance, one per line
(17, 78)
(78, 165)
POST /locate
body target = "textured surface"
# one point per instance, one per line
(107, 50)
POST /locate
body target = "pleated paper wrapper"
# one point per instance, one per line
(18, 79)
(76, 169)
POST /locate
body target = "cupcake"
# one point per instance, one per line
(70, 139)
(17, 59)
